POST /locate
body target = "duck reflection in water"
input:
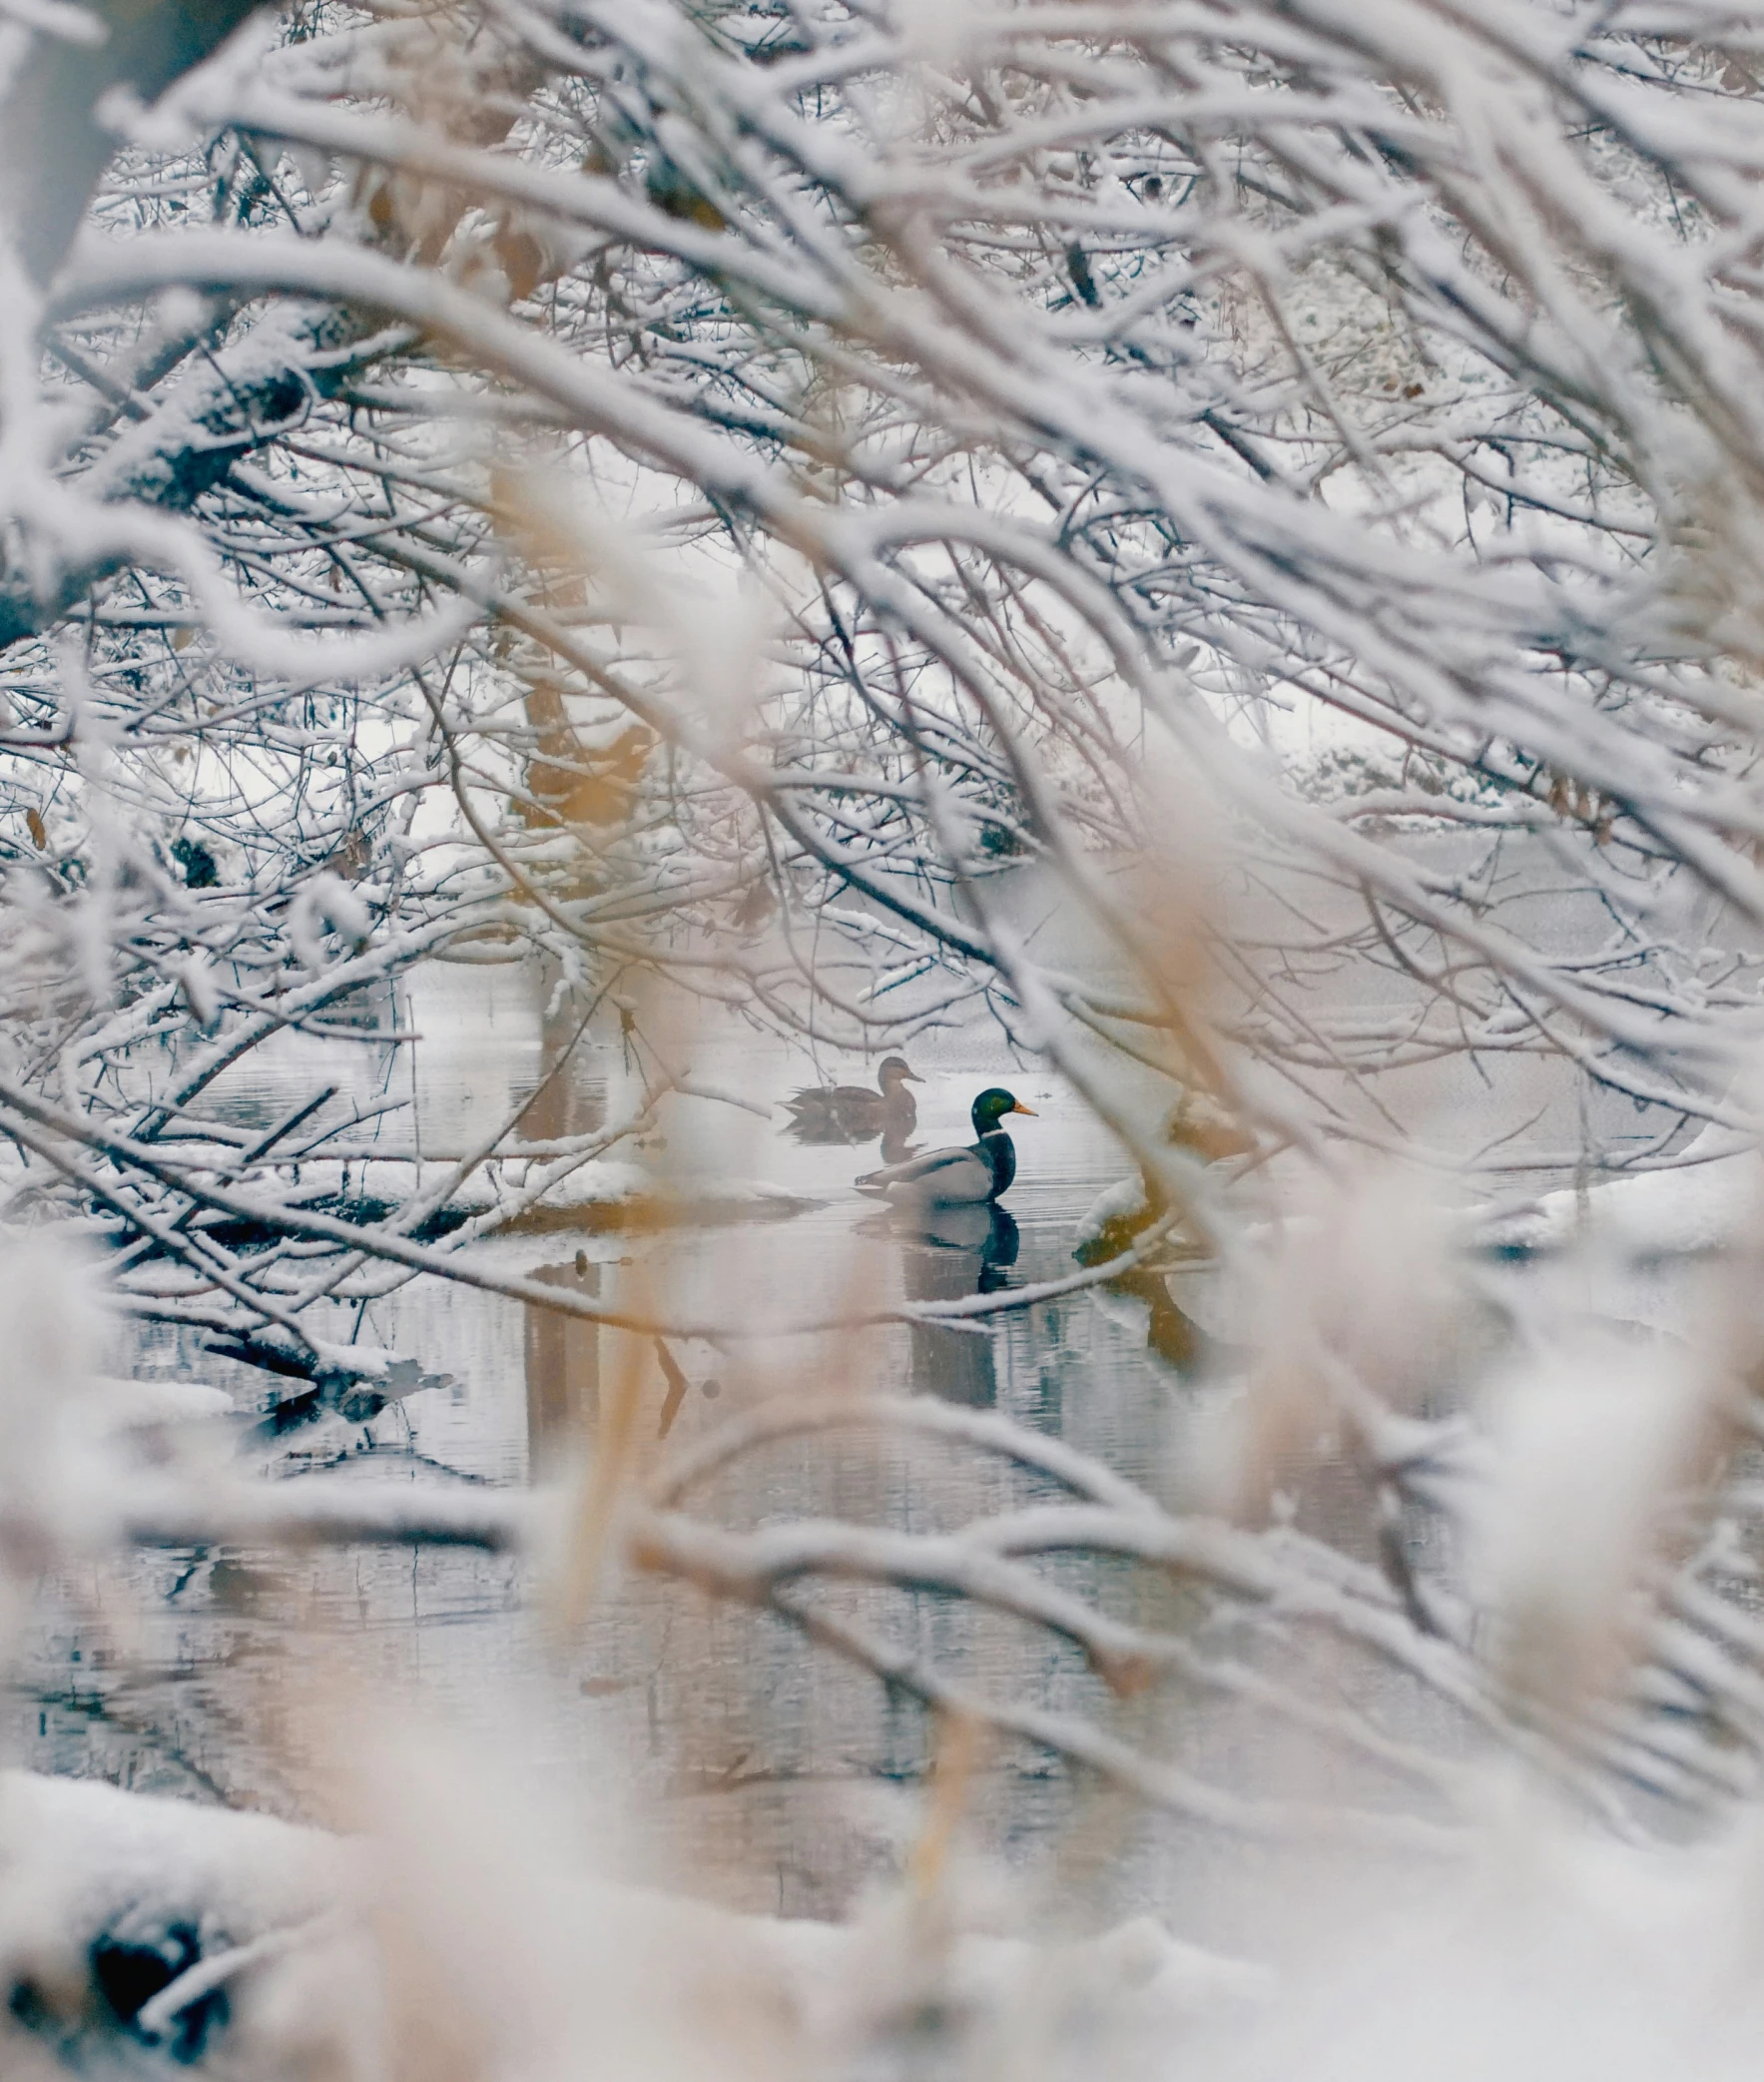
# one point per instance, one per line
(948, 1253)
(896, 1146)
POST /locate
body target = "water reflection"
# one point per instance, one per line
(948, 1253)
(897, 1146)
(706, 1701)
(833, 1131)
(766, 1752)
(1170, 1332)
(562, 1352)
(563, 1370)
(567, 1097)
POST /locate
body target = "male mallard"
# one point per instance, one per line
(853, 1113)
(957, 1178)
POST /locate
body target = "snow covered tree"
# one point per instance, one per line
(729, 491)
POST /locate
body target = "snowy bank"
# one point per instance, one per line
(518, 1194)
(512, 1195)
(186, 1938)
(1706, 1202)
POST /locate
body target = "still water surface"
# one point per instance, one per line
(769, 1774)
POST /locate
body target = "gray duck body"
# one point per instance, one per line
(855, 1112)
(957, 1178)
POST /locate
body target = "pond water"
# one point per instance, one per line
(766, 1773)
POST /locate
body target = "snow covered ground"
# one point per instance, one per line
(1711, 1198)
(144, 1935)
(451, 1939)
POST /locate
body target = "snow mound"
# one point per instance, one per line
(1118, 1207)
(143, 1935)
(535, 1192)
(1691, 1208)
(145, 1927)
(121, 1406)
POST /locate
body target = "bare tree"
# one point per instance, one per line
(1062, 411)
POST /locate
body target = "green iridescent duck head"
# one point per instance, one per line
(991, 1107)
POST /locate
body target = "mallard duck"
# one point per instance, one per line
(853, 1113)
(957, 1178)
